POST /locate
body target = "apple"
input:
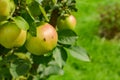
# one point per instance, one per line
(6, 9)
(11, 35)
(66, 22)
(44, 41)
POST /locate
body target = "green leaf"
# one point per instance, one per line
(34, 9)
(1, 77)
(54, 1)
(28, 1)
(24, 56)
(0, 58)
(22, 68)
(32, 29)
(52, 70)
(28, 16)
(39, 1)
(44, 13)
(67, 37)
(79, 53)
(4, 73)
(31, 21)
(13, 70)
(41, 59)
(36, 77)
(21, 23)
(4, 69)
(60, 56)
(40, 68)
(19, 67)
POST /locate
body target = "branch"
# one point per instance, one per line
(53, 20)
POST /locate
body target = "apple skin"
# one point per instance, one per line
(44, 41)
(7, 8)
(66, 22)
(4, 7)
(11, 35)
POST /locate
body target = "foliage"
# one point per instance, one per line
(18, 63)
(109, 20)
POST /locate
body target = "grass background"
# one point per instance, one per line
(104, 54)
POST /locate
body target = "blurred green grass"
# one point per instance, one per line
(104, 54)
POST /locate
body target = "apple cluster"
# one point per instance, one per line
(36, 38)
(11, 36)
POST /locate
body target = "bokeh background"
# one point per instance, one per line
(104, 53)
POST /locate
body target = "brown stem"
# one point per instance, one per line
(53, 20)
(54, 16)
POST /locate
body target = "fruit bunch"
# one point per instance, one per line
(35, 38)
(109, 20)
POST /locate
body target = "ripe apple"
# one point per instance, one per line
(66, 22)
(6, 9)
(44, 41)
(11, 35)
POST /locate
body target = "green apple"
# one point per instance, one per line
(6, 9)
(11, 35)
(66, 22)
(44, 41)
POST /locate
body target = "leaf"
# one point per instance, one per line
(22, 68)
(24, 56)
(44, 13)
(13, 70)
(1, 77)
(67, 37)
(36, 77)
(34, 9)
(52, 70)
(79, 53)
(39, 1)
(21, 23)
(60, 56)
(19, 67)
(54, 1)
(41, 59)
(32, 29)
(28, 16)
(40, 68)
(21, 55)
(4, 69)
(28, 1)
(4, 73)
(0, 58)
